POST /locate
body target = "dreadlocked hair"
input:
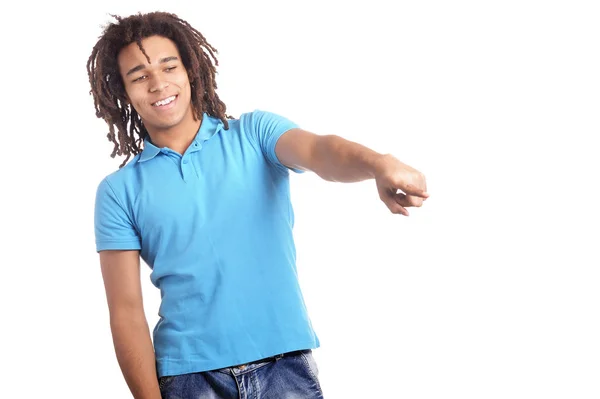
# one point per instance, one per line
(107, 86)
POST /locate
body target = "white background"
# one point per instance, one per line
(488, 291)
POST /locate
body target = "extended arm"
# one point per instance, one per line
(334, 158)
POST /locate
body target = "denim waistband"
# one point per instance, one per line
(246, 367)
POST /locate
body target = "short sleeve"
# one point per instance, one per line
(266, 128)
(113, 226)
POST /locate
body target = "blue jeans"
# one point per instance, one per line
(293, 375)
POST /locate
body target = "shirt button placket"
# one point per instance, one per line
(184, 169)
(197, 147)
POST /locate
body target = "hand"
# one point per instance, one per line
(392, 175)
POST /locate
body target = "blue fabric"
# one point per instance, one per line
(215, 226)
(294, 376)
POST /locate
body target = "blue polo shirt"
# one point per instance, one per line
(215, 226)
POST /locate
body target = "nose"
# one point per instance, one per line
(158, 85)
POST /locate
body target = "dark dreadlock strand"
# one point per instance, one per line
(108, 90)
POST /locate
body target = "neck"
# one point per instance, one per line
(179, 137)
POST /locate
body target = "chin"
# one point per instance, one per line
(164, 124)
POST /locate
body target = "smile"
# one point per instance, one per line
(164, 102)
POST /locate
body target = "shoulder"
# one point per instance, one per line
(246, 124)
(118, 180)
(262, 121)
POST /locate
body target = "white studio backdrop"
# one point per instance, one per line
(488, 291)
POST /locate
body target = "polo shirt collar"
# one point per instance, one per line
(209, 127)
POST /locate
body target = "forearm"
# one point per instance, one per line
(340, 160)
(135, 354)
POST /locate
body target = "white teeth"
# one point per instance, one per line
(164, 102)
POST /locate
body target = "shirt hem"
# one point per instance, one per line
(186, 366)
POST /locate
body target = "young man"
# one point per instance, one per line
(205, 203)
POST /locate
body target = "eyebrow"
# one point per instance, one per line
(140, 67)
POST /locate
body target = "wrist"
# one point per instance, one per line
(377, 164)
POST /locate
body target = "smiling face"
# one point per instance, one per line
(159, 91)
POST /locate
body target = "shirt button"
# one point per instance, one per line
(185, 161)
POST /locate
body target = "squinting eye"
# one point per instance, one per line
(170, 69)
(140, 78)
